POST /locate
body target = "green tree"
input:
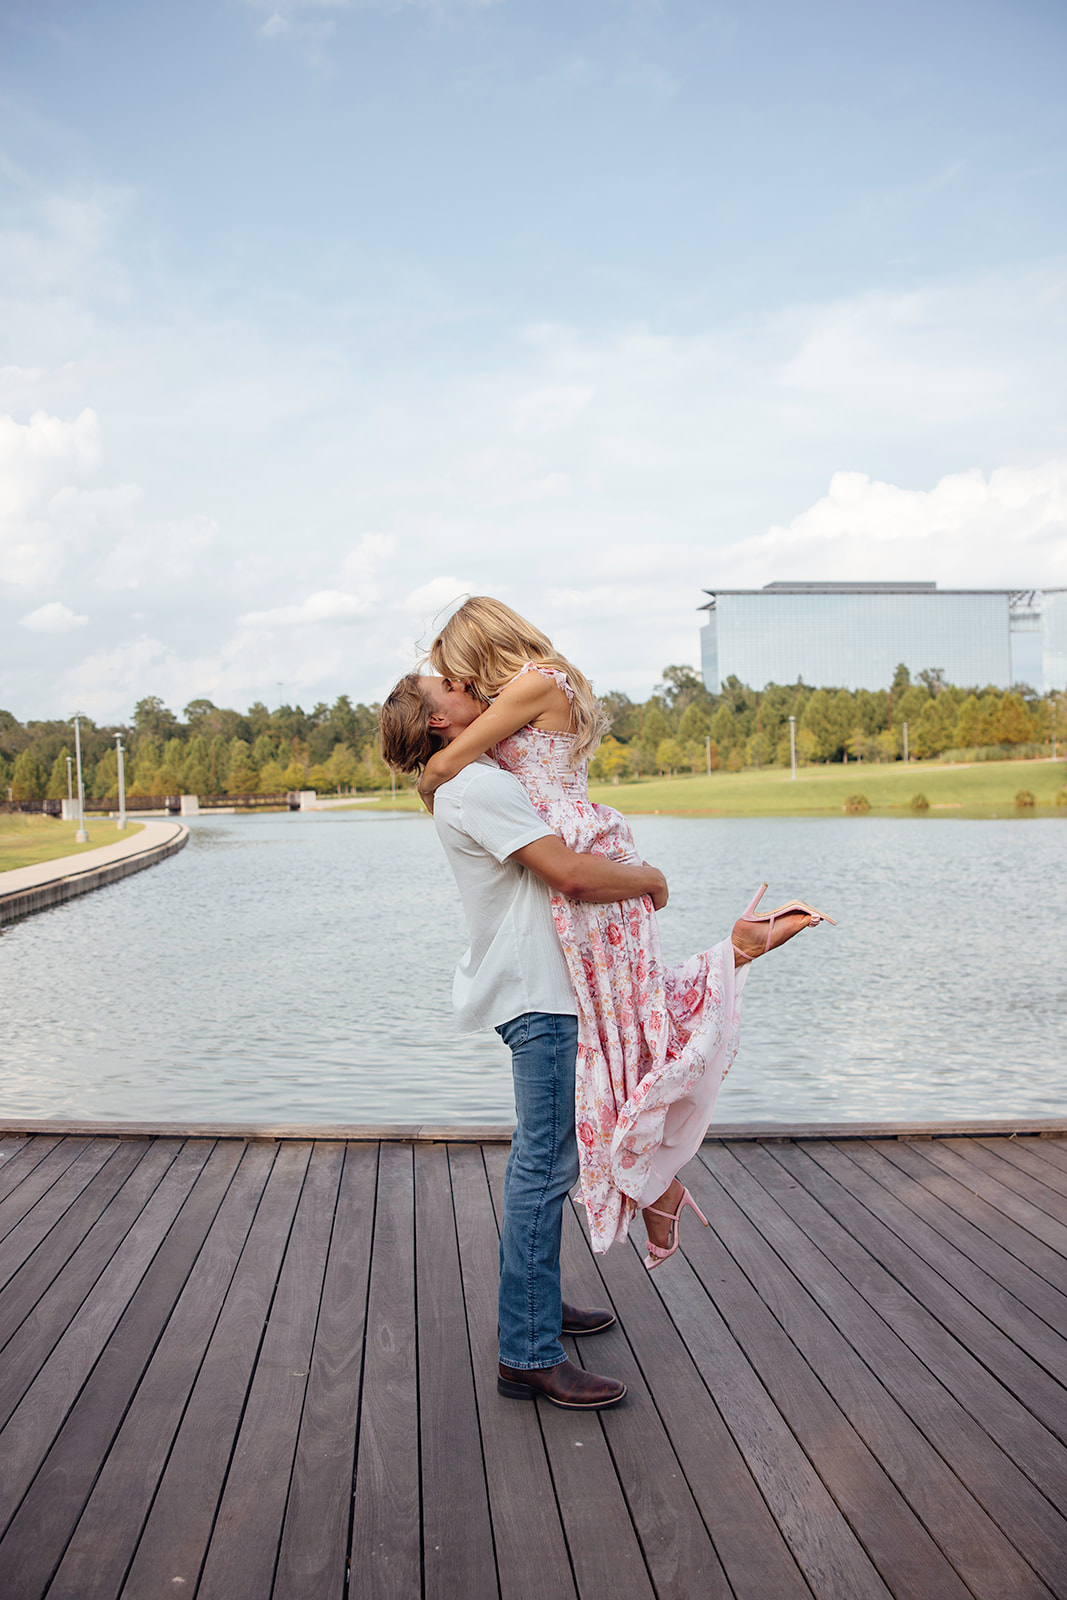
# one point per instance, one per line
(171, 767)
(28, 781)
(218, 765)
(146, 765)
(202, 716)
(724, 729)
(654, 725)
(57, 778)
(341, 767)
(243, 772)
(1015, 725)
(265, 749)
(624, 716)
(106, 777)
(695, 723)
(968, 721)
(272, 778)
(151, 716)
(611, 762)
(195, 774)
(669, 756)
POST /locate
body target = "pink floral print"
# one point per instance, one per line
(654, 1042)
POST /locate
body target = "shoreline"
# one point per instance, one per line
(26, 890)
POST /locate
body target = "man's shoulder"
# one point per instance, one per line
(481, 778)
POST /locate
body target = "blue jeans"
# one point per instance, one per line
(541, 1170)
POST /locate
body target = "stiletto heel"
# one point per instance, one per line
(770, 917)
(659, 1252)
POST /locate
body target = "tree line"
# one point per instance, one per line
(681, 727)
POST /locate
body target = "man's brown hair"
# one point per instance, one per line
(405, 737)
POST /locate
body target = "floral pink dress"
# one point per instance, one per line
(654, 1042)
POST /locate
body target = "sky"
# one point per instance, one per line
(318, 315)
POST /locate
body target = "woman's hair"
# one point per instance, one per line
(486, 644)
(405, 737)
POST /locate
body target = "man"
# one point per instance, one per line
(514, 978)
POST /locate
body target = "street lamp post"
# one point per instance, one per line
(81, 837)
(122, 783)
(793, 745)
(70, 783)
(707, 752)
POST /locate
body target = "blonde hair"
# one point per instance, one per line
(486, 644)
(405, 737)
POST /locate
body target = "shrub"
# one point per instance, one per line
(1061, 797)
(919, 802)
(1024, 798)
(857, 805)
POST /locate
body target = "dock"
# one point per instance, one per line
(263, 1368)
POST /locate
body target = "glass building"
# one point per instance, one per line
(1054, 639)
(854, 635)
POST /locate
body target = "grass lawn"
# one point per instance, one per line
(984, 789)
(27, 840)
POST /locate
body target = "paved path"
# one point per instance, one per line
(27, 889)
(249, 1370)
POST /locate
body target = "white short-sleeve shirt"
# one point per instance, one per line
(514, 963)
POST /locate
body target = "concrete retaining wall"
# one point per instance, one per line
(72, 879)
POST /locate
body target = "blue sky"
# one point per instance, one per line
(316, 316)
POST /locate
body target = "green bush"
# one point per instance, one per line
(1023, 799)
(857, 805)
(1061, 797)
(919, 802)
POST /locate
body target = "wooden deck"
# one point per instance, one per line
(244, 1368)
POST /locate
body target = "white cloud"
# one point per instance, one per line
(325, 605)
(1005, 530)
(555, 406)
(35, 458)
(54, 617)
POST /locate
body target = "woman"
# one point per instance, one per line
(655, 1041)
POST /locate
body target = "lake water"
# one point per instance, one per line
(298, 968)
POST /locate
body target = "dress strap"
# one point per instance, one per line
(558, 678)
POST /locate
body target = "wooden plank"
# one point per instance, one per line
(871, 1458)
(904, 1174)
(527, 1530)
(1002, 1195)
(596, 1519)
(1053, 1152)
(21, 1153)
(43, 1524)
(386, 1549)
(756, 1559)
(991, 1157)
(1029, 1157)
(853, 1170)
(41, 1320)
(103, 1543)
(244, 1544)
(85, 1156)
(313, 1559)
(827, 1551)
(1006, 1393)
(477, 1132)
(678, 1551)
(77, 1187)
(37, 1419)
(457, 1553)
(969, 1204)
(942, 1463)
(175, 1536)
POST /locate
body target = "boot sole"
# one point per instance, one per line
(523, 1391)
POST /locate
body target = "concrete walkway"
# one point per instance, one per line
(27, 889)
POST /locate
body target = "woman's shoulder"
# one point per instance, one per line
(558, 678)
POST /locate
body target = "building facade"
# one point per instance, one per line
(854, 635)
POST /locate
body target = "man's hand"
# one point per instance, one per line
(660, 892)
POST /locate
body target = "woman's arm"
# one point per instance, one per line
(523, 700)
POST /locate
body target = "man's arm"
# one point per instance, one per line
(590, 877)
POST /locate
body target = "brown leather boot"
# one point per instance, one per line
(576, 1322)
(565, 1385)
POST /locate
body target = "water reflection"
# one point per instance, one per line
(298, 968)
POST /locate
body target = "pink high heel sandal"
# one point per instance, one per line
(769, 917)
(658, 1251)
